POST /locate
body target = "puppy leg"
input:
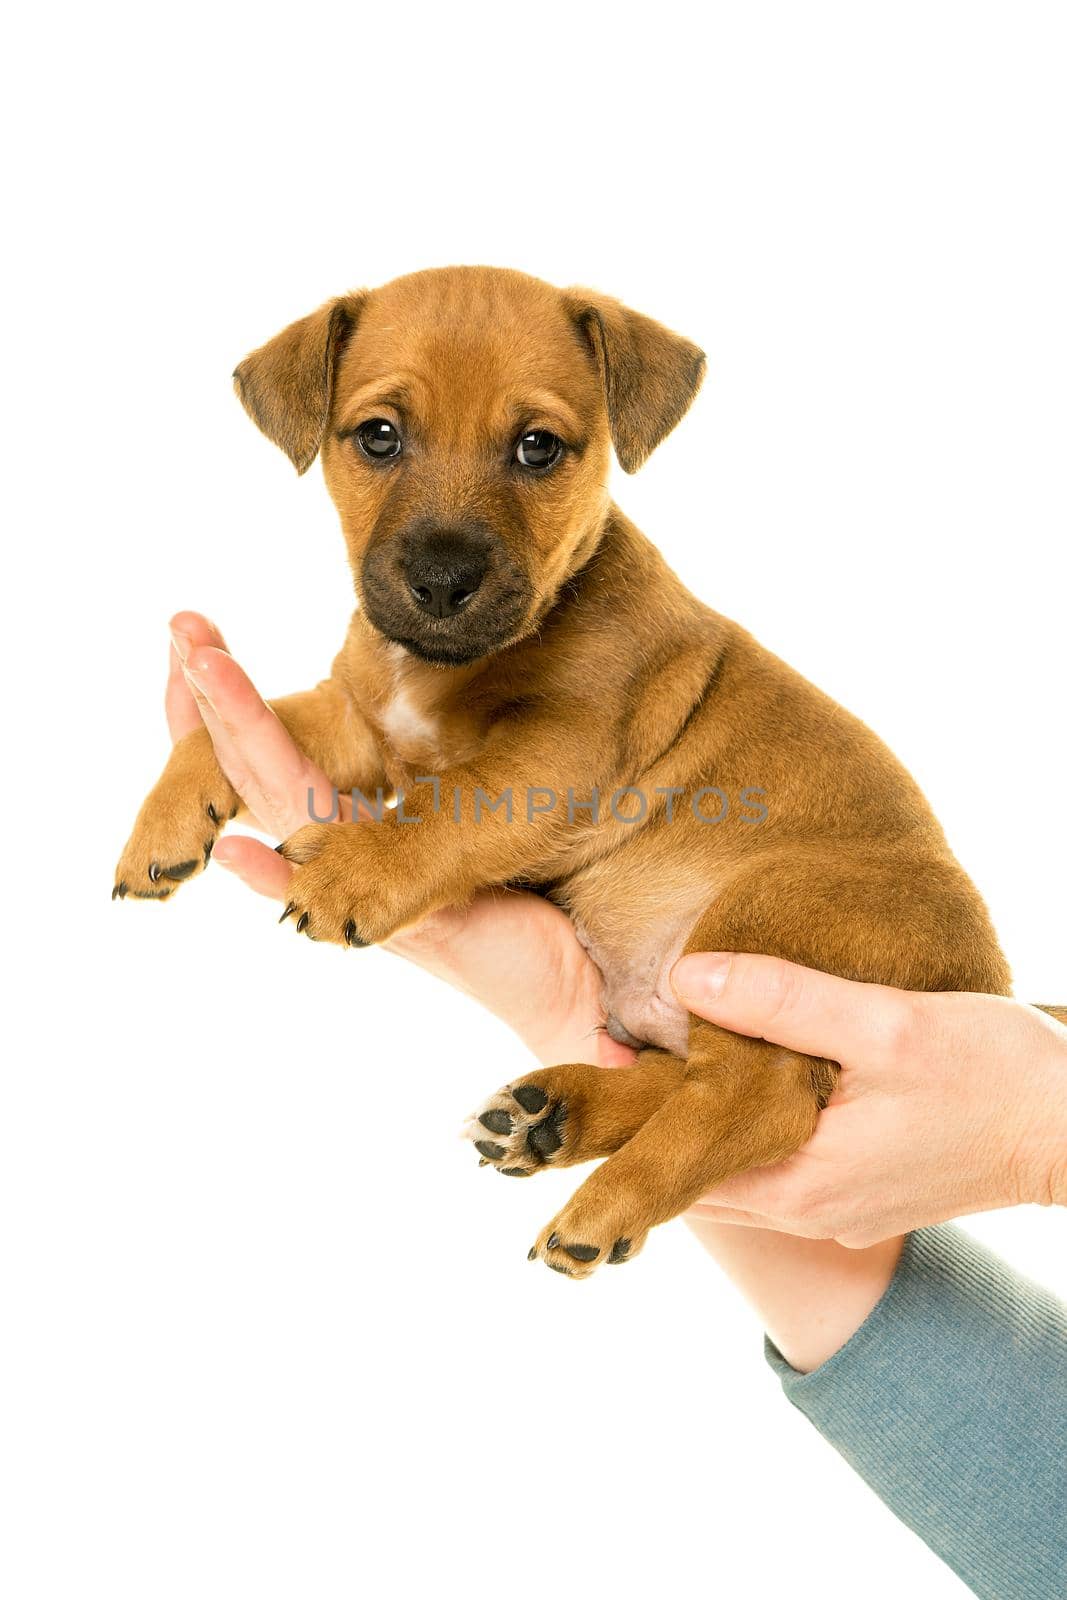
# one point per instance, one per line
(742, 1103)
(562, 1115)
(177, 826)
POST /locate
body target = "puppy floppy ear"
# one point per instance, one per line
(286, 386)
(649, 374)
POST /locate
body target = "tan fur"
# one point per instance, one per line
(615, 675)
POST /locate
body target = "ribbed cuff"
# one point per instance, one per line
(951, 1401)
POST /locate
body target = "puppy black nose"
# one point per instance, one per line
(443, 572)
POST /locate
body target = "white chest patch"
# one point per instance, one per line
(407, 727)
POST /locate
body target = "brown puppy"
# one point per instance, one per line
(517, 639)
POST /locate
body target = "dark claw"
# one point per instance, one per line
(619, 1251)
(279, 849)
(234, 812)
(513, 1172)
(486, 1147)
(545, 1137)
(582, 1252)
(530, 1097)
(532, 1256)
(352, 936)
(153, 872)
(290, 908)
(302, 921)
(207, 851)
(119, 891)
(213, 814)
(181, 871)
(553, 1241)
(483, 1162)
(496, 1121)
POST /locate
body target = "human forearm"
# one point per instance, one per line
(951, 1401)
(809, 1294)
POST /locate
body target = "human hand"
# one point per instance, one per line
(947, 1104)
(516, 954)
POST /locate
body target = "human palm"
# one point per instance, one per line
(515, 953)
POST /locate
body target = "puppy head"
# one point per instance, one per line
(465, 418)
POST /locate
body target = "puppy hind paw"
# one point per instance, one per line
(520, 1129)
(576, 1248)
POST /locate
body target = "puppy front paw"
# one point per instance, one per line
(342, 890)
(172, 840)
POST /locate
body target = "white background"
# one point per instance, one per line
(267, 1329)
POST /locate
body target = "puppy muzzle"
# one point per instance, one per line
(447, 594)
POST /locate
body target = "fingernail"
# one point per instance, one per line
(698, 979)
(182, 644)
(197, 676)
(198, 686)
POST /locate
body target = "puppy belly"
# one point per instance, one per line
(639, 1003)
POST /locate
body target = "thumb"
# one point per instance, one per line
(809, 1011)
(254, 863)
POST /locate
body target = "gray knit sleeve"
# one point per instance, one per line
(951, 1401)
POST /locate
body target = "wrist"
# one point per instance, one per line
(554, 1049)
(580, 1036)
(1043, 1149)
(582, 1039)
(571, 1027)
(567, 1032)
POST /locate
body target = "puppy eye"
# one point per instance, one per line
(538, 449)
(378, 439)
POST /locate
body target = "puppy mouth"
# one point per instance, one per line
(442, 653)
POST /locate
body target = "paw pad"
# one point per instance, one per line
(530, 1097)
